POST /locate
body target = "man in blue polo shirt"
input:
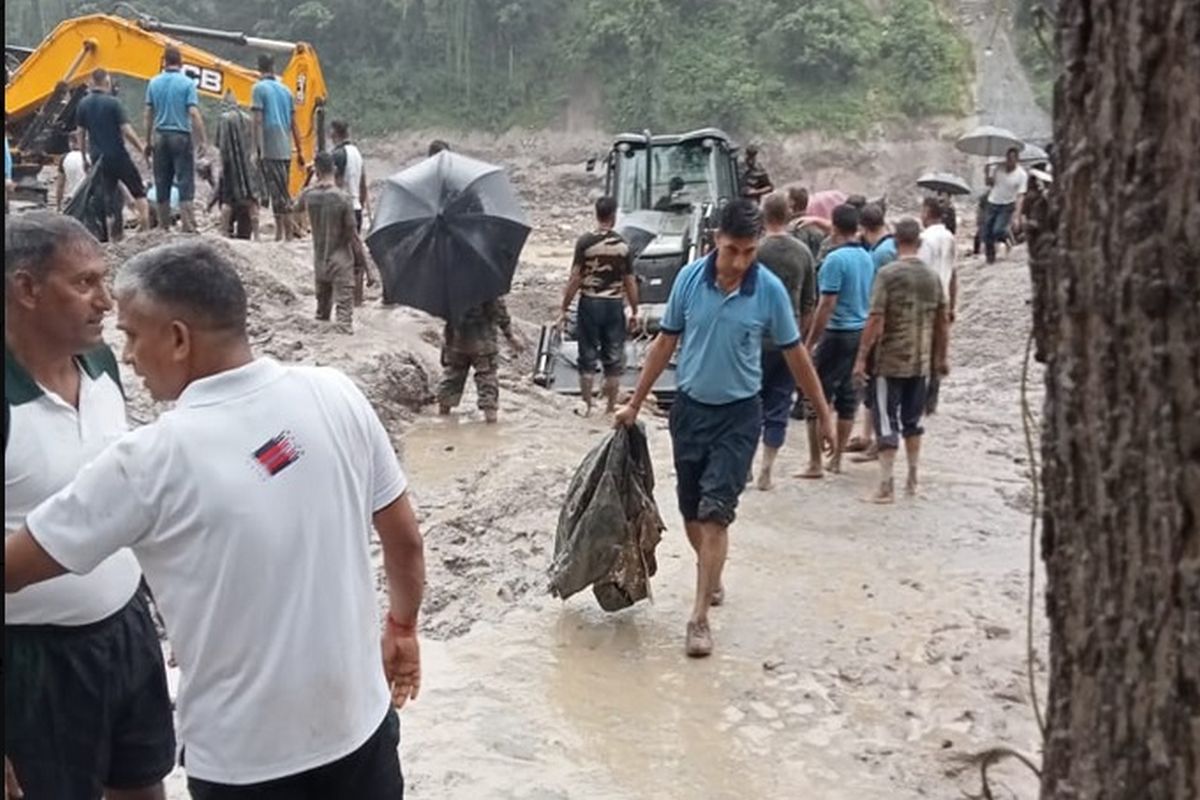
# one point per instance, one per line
(274, 129)
(172, 114)
(845, 285)
(721, 307)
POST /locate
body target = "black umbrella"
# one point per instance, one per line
(638, 229)
(943, 183)
(447, 235)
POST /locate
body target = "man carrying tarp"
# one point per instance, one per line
(240, 186)
(719, 309)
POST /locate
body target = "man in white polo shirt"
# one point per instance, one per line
(939, 251)
(86, 707)
(250, 505)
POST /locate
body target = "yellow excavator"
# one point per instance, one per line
(46, 83)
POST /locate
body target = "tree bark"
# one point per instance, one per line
(1118, 320)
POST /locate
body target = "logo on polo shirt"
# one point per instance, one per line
(278, 453)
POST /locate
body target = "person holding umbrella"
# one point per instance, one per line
(1004, 200)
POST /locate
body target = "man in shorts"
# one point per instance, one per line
(844, 282)
(250, 506)
(908, 321)
(275, 131)
(602, 273)
(792, 263)
(720, 308)
(86, 706)
(172, 115)
(102, 127)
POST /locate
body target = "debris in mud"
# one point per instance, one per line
(609, 525)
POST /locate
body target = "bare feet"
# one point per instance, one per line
(813, 472)
(886, 494)
(870, 454)
(764, 481)
(910, 486)
(834, 464)
(490, 416)
(699, 640)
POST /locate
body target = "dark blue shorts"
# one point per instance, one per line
(778, 387)
(714, 448)
(899, 404)
(601, 332)
(834, 361)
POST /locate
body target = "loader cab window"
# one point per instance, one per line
(690, 161)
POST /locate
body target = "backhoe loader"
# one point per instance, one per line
(46, 83)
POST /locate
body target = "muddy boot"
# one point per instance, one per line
(490, 416)
(187, 217)
(443, 410)
(699, 640)
(164, 215)
(611, 387)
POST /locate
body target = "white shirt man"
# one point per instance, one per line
(939, 251)
(73, 171)
(1008, 185)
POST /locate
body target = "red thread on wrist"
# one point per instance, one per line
(400, 627)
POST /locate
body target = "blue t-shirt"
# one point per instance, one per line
(884, 252)
(102, 116)
(275, 102)
(171, 94)
(848, 272)
(720, 358)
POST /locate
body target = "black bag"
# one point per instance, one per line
(609, 525)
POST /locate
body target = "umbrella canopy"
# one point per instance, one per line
(638, 229)
(989, 140)
(447, 235)
(944, 183)
(1031, 154)
(822, 204)
(1041, 175)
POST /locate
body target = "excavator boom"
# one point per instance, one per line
(39, 94)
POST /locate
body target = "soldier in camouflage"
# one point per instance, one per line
(756, 183)
(471, 344)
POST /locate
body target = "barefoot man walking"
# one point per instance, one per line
(909, 322)
(721, 307)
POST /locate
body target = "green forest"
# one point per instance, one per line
(785, 65)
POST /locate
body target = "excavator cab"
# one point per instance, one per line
(669, 188)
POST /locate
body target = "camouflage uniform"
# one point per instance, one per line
(755, 178)
(471, 343)
(335, 258)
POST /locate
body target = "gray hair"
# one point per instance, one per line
(33, 241)
(193, 278)
(908, 232)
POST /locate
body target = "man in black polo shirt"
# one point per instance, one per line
(103, 128)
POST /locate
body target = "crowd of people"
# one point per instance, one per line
(833, 320)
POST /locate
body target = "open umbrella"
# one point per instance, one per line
(447, 235)
(944, 183)
(1031, 154)
(638, 229)
(988, 140)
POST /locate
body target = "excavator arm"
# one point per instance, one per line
(40, 96)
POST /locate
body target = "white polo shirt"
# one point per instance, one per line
(353, 174)
(47, 442)
(940, 251)
(249, 506)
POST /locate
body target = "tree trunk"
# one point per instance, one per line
(1118, 319)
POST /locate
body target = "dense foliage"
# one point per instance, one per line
(784, 64)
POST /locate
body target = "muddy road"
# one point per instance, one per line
(861, 649)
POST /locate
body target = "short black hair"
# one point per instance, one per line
(171, 56)
(34, 240)
(676, 183)
(192, 277)
(845, 219)
(606, 208)
(340, 128)
(323, 163)
(908, 231)
(871, 217)
(935, 207)
(1012, 150)
(740, 219)
(99, 76)
(859, 201)
(437, 146)
(266, 63)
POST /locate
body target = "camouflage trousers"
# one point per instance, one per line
(337, 295)
(455, 368)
